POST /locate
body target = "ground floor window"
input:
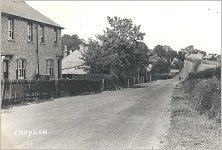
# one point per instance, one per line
(49, 67)
(20, 72)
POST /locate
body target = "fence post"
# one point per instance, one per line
(10, 91)
(2, 89)
(30, 92)
(103, 84)
(56, 88)
(128, 82)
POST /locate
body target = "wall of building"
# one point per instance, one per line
(20, 47)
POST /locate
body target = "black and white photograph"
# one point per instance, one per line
(110, 74)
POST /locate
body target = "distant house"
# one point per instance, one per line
(73, 64)
(173, 62)
(210, 57)
(31, 44)
(195, 57)
(207, 57)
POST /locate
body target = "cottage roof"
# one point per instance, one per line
(196, 56)
(23, 10)
(208, 56)
(73, 64)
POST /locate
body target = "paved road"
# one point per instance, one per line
(135, 118)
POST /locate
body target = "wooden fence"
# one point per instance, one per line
(20, 91)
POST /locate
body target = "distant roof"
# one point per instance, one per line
(73, 64)
(196, 56)
(208, 56)
(23, 10)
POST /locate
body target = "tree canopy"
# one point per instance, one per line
(71, 41)
(120, 47)
(160, 51)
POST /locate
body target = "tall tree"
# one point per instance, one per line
(181, 55)
(119, 47)
(160, 51)
(170, 55)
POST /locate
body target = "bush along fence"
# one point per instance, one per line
(22, 91)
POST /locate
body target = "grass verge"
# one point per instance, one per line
(188, 129)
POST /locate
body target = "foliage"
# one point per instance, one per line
(190, 50)
(119, 48)
(160, 51)
(164, 55)
(181, 56)
(179, 64)
(203, 52)
(161, 66)
(71, 41)
(170, 55)
(206, 74)
(205, 96)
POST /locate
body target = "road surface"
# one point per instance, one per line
(133, 118)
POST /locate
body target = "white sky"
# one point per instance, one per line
(174, 23)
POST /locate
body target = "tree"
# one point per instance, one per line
(160, 51)
(160, 67)
(170, 55)
(203, 52)
(120, 48)
(179, 64)
(181, 56)
(71, 41)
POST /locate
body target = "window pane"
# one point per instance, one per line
(21, 68)
(10, 28)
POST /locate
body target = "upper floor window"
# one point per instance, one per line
(10, 28)
(30, 32)
(42, 36)
(49, 67)
(55, 36)
(20, 72)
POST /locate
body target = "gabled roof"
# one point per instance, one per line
(23, 10)
(208, 56)
(196, 56)
(73, 64)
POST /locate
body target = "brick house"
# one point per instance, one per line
(31, 45)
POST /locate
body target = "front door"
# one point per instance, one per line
(5, 69)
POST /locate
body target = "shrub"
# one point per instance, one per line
(160, 67)
(205, 96)
(206, 74)
(179, 64)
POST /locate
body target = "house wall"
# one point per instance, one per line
(19, 47)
